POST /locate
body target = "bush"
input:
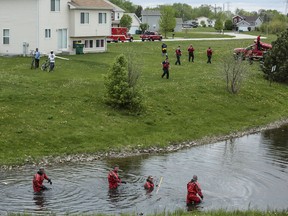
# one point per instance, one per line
(234, 71)
(277, 56)
(121, 84)
(228, 25)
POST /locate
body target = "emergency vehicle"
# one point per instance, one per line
(119, 34)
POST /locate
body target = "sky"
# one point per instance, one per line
(248, 5)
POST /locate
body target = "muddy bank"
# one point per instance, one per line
(129, 151)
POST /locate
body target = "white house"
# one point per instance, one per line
(248, 23)
(116, 15)
(54, 25)
(207, 21)
(135, 23)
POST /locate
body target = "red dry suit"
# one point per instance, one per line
(113, 179)
(193, 188)
(38, 181)
(149, 185)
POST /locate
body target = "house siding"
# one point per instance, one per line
(31, 17)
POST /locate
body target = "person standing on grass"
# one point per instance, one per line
(37, 58)
(194, 192)
(38, 180)
(51, 60)
(178, 54)
(209, 55)
(164, 49)
(191, 53)
(165, 67)
(258, 42)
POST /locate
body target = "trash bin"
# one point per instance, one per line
(79, 48)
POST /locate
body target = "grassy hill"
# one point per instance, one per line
(63, 112)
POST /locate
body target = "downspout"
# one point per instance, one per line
(37, 23)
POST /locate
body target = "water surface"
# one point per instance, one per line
(245, 173)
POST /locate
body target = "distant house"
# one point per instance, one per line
(247, 23)
(54, 25)
(116, 15)
(135, 23)
(208, 22)
(179, 23)
(151, 17)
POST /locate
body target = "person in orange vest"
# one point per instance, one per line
(165, 67)
(191, 53)
(114, 179)
(194, 191)
(209, 55)
(149, 185)
(178, 54)
(38, 180)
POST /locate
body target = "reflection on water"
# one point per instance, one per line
(250, 172)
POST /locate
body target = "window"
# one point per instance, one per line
(118, 16)
(62, 38)
(100, 43)
(47, 33)
(84, 18)
(55, 5)
(88, 43)
(102, 18)
(6, 36)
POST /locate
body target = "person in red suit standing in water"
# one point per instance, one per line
(38, 181)
(194, 192)
(114, 179)
(149, 185)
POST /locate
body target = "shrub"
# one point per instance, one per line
(234, 71)
(277, 56)
(121, 85)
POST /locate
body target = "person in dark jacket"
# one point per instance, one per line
(149, 184)
(191, 53)
(164, 49)
(209, 55)
(194, 191)
(178, 54)
(165, 67)
(38, 180)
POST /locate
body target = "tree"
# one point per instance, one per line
(183, 11)
(218, 25)
(228, 24)
(234, 71)
(138, 11)
(126, 21)
(121, 85)
(277, 56)
(167, 20)
(125, 5)
(202, 23)
(144, 27)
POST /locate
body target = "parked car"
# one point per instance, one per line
(151, 36)
(252, 52)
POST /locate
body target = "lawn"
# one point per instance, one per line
(63, 112)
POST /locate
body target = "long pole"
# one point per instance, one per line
(161, 179)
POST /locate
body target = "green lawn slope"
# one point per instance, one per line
(63, 112)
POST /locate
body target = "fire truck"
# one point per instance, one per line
(119, 34)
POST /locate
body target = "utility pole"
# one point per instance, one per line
(286, 8)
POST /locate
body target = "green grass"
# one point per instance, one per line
(64, 113)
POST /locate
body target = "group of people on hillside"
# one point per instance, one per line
(51, 58)
(178, 54)
(194, 193)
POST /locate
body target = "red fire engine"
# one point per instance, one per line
(119, 34)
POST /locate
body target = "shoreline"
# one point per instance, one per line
(47, 161)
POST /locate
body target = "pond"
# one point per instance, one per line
(250, 172)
